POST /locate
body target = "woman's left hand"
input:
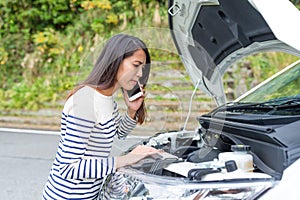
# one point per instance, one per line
(138, 153)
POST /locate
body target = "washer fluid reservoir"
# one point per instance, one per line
(240, 154)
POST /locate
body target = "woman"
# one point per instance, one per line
(90, 120)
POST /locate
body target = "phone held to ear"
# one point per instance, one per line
(135, 93)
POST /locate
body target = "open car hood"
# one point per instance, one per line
(210, 35)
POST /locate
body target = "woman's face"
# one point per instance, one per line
(131, 70)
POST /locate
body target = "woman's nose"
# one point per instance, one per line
(140, 71)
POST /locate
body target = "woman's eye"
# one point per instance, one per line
(139, 65)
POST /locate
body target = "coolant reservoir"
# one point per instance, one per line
(240, 155)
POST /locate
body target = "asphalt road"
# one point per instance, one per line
(26, 157)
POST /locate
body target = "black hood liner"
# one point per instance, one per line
(223, 29)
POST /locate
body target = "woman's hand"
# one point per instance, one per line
(136, 155)
(133, 106)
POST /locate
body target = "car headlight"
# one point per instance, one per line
(132, 184)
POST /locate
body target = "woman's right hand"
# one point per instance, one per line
(136, 155)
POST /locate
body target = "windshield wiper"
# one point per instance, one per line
(273, 104)
(242, 105)
(290, 102)
(295, 100)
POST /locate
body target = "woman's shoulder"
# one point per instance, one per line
(87, 101)
(85, 90)
(82, 95)
(81, 103)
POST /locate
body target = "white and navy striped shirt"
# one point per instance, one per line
(89, 123)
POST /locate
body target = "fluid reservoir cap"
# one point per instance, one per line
(240, 148)
(230, 166)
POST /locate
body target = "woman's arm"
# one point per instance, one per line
(125, 124)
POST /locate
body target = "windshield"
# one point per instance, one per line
(284, 85)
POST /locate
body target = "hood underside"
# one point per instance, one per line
(210, 35)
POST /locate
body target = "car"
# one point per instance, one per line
(242, 148)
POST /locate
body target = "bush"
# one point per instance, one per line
(44, 43)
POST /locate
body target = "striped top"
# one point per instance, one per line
(89, 123)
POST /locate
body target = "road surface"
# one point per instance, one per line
(26, 157)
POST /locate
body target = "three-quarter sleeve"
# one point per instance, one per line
(125, 124)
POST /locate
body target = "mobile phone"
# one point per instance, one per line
(135, 93)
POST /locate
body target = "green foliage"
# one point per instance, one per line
(44, 92)
(32, 16)
(43, 44)
(266, 64)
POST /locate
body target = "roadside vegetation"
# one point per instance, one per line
(44, 44)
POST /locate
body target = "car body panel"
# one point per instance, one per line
(211, 35)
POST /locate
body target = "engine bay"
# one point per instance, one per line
(186, 154)
(190, 168)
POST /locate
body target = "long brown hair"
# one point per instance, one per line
(104, 73)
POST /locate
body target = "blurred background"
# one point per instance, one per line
(47, 47)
